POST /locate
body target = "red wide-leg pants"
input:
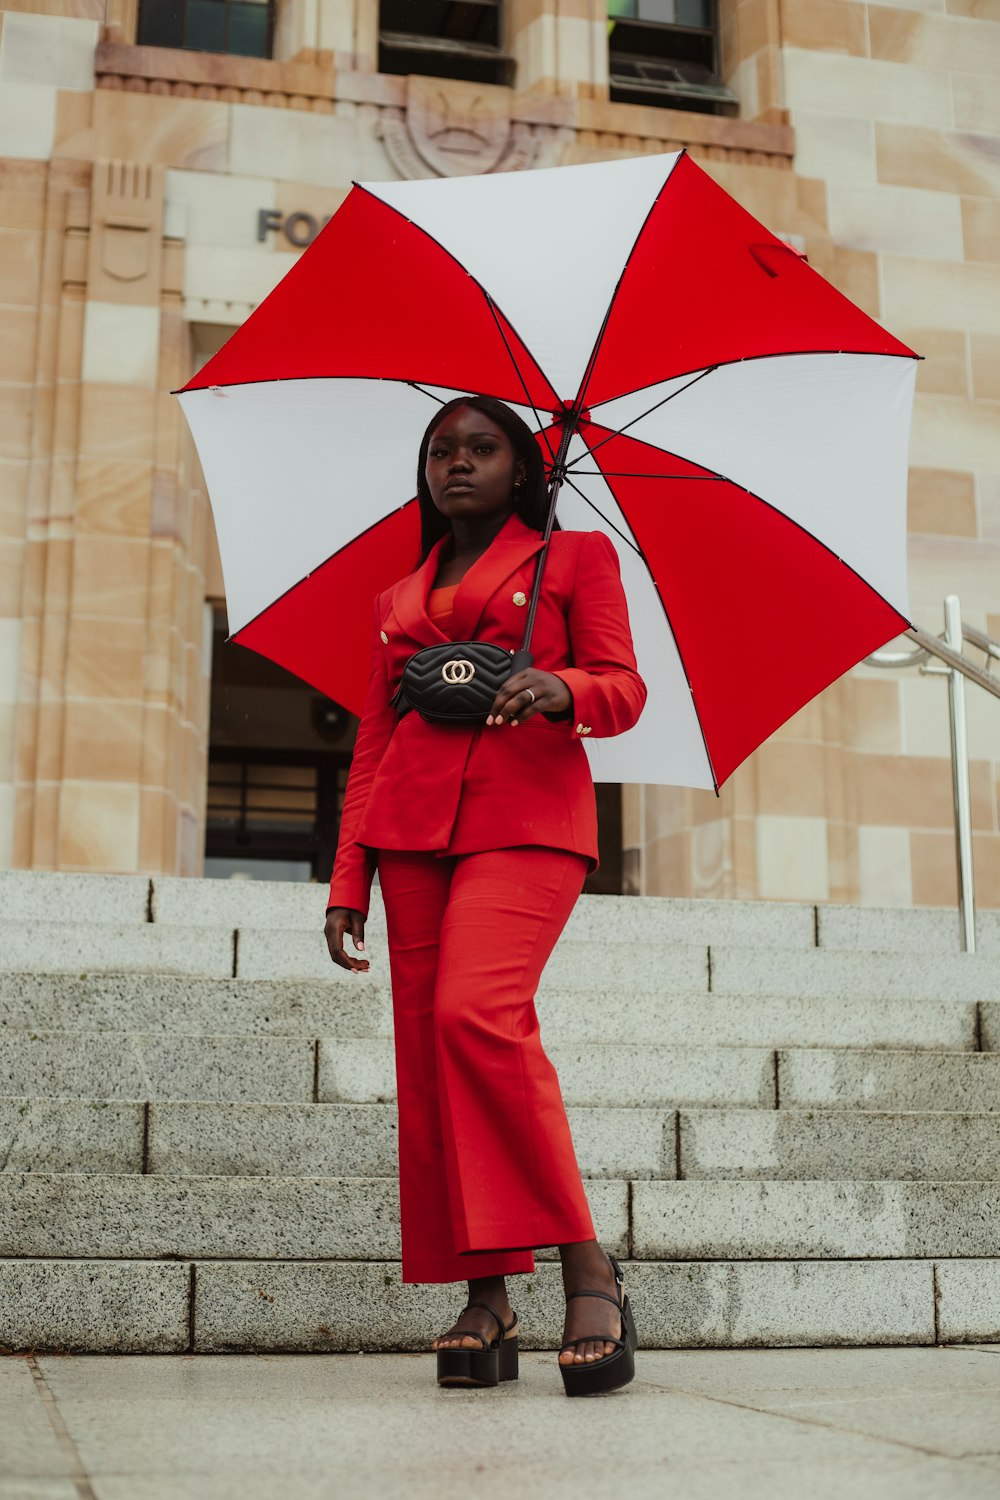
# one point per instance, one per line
(487, 1168)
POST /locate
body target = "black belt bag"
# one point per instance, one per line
(453, 683)
(456, 682)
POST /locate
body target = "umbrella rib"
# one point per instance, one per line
(628, 474)
(669, 623)
(606, 519)
(578, 404)
(618, 431)
(542, 427)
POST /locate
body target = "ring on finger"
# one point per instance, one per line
(530, 694)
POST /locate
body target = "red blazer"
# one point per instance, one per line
(458, 789)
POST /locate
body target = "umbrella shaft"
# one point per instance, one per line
(523, 657)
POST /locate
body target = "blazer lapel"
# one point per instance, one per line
(509, 549)
(409, 600)
(513, 545)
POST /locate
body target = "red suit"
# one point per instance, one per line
(482, 838)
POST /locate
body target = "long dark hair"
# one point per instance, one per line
(531, 501)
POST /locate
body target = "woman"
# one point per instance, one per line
(482, 837)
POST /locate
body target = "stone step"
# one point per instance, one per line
(794, 1220)
(610, 921)
(604, 1073)
(212, 1138)
(110, 1216)
(184, 902)
(651, 968)
(205, 1138)
(904, 929)
(119, 1065)
(86, 947)
(889, 1080)
(349, 1007)
(836, 1144)
(226, 1306)
(842, 975)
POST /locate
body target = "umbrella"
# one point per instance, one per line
(734, 424)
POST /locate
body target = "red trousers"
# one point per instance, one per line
(487, 1168)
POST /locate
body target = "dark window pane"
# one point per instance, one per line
(429, 64)
(161, 23)
(206, 26)
(461, 20)
(248, 28)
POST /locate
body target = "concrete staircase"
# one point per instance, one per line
(789, 1116)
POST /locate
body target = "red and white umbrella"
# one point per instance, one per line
(739, 430)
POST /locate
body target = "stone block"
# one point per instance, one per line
(889, 1080)
(94, 1065)
(652, 967)
(27, 120)
(843, 975)
(46, 49)
(33, 895)
(918, 95)
(313, 1306)
(968, 1301)
(359, 1140)
(112, 947)
(107, 1307)
(613, 920)
(263, 1218)
(121, 343)
(292, 145)
(601, 1074)
(225, 1139)
(908, 930)
(285, 905)
(782, 1220)
(852, 1145)
(146, 128)
(171, 1003)
(896, 220)
(70, 1135)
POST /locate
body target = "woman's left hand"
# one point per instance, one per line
(530, 692)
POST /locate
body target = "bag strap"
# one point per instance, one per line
(523, 658)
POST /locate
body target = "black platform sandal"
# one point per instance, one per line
(494, 1362)
(612, 1370)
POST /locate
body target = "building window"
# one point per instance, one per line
(240, 26)
(444, 39)
(666, 52)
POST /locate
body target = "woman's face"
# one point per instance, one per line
(471, 466)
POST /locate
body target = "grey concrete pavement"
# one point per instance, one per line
(881, 1424)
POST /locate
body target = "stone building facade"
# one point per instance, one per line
(150, 196)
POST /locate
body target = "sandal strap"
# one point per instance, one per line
(504, 1327)
(605, 1295)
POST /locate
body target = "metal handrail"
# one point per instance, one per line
(948, 647)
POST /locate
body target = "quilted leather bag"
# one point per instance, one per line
(454, 682)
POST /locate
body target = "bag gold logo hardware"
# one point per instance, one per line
(458, 671)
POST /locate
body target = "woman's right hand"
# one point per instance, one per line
(339, 921)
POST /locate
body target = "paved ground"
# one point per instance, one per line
(923, 1424)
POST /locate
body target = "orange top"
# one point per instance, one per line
(439, 604)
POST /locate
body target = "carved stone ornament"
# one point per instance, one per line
(126, 232)
(452, 129)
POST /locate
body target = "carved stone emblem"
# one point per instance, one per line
(126, 225)
(454, 129)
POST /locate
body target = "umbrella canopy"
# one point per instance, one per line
(739, 428)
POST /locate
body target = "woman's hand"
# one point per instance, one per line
(340, 920)
(514, 701)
